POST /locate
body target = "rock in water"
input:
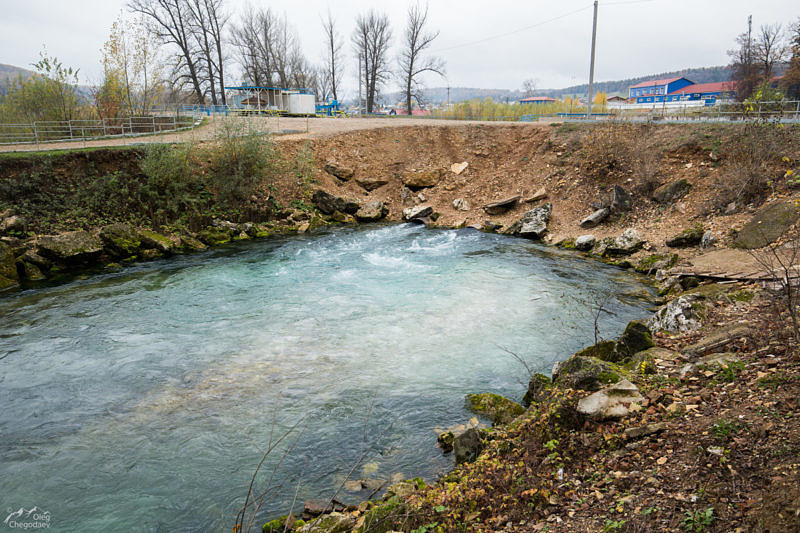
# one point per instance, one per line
(339, 171)
(595, 218)
(613, 402)
(498, 208)
(421, 211)
(372, 211)
(533, 224)
(585, 243)
(500, 409)
(329, 204)
(467, 446)
(70, 247)
(620, 200)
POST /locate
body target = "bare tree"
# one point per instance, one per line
(412, 62)
(529, 87)
(769, 50)
(371, 40)
(208, 23)
(171, 20)
(253, 38)
(743, 69)
(333, 55)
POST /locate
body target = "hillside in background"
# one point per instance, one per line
(9, 74)
(438, 95)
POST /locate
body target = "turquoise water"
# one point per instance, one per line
(142, 400)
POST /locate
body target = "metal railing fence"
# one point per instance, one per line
(49, 131)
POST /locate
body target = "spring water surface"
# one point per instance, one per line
(142, 400)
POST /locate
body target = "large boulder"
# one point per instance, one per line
(585, 373)
(595, 218)
(335, 522)
(156, 241)
(467, 446)
(420, 211)
(421, 179)
(8, 268)
(613, 402)
(70, 247)
(538, 388)
(339, 171)
(499, 408)
(679, 315)
(372, 211)
(620, 200)
(690, 237)
(121, 240)
(628, 243)
(329, 204)
(637, 337)
(767, 225)
(533, 224)
(584, 243)
(672, 191)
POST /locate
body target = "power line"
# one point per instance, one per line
(499, 36)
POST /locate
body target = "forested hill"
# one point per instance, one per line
(9, 74)
(457, 94)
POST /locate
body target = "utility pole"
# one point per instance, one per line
(591, 65)
(749, 40)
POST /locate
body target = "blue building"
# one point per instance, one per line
(648, 91)
(710, 92)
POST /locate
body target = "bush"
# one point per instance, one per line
(239, 161)
(173, 188)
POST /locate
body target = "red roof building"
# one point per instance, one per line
(537, 100)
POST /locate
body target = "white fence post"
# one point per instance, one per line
(36, 135)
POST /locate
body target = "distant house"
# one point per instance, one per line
(538, 100)
(655, 88)
(722, 90)
(616, 100)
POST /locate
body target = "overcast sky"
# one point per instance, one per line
(487, 44)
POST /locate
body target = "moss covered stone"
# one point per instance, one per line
(603, 350)
(190, 244)
(214, 236)
(8, 268)
(156, 241)
(538, 387)
(499, 408)
(70, 247)
(330, 523)
(382, 518)
(686, 238)
(586, 373)
(567, 244)
(445, 440)
(767, 225)
(672, 191)
(636, 338)
(655, 262)
(120, 240)
(275, 526)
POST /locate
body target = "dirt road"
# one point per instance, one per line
(286, 127)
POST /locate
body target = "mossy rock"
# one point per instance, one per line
(214, 236)
(382, 518)
(30, 271)
(767, 225)
(70, 247)
(190, 244)
(342, 218)
(120, 240)
(329, 523)
(637, 337)
(586, 373)
(690, 237)
(8, 268)
(603, 350)
(445, 440)
(275, 526)
(655, 262)
(567, 244)
(156, 241)
(538, 388)
(499, 408)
